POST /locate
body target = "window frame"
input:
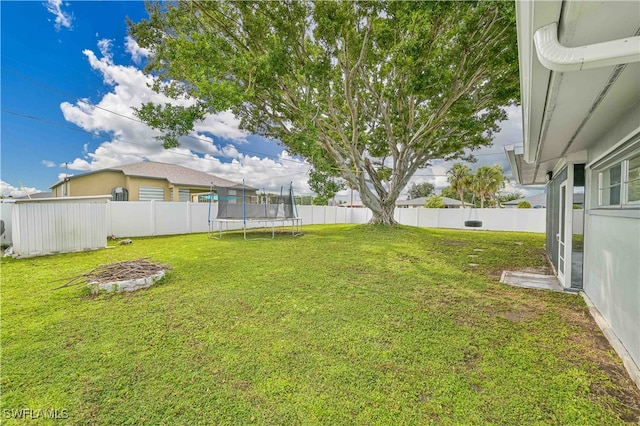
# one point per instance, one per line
(623, 184)
(626, 179)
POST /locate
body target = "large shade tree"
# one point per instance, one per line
(365, 91)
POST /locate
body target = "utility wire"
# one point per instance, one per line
(84, 101)
(76, 129)
(241, 150)
(55, 90)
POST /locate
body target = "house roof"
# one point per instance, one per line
(174, 174)
(421, 201)
(36, 195)
(535, 200)
(356, 203)
(565, 111)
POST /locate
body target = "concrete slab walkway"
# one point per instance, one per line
(529, 280)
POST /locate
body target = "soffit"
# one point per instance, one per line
(581, 105)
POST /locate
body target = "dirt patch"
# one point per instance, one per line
(454, 243)
(515, 313)
(242, 385)
(518, 315)
(403, 257)
(599, 352)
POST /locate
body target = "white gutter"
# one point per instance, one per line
(557, 57)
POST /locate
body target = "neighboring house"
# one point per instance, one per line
(35, 195)
(449, 203)
(142, 181)
(355, 204)
(580, 88)
(537, 202)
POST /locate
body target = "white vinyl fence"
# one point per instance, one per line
(61, 225)
(148, 218)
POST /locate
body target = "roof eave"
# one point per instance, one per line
(534, 78)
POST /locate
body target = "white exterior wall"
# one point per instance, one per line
(612, 246)
(612, 273)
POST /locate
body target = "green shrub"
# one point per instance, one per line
(435, 202)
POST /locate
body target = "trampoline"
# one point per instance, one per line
(240, 206)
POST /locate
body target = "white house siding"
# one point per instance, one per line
(612, 245)
(612, 273)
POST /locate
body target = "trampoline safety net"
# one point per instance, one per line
(245, 207)
(234, 203)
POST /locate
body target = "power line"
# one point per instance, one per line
(76, 129)
(56, 90)
(243, 151)
(53, 89)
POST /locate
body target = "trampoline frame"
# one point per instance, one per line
(296, 221)
(296, 226)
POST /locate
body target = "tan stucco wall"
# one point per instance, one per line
(102, 183)
(134, 184)
(93, 184)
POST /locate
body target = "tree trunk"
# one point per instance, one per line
(383, 216)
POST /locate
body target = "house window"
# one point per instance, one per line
(150, 193)
(232, 199)
(619, 185)
(184, 195)
(633, 180)
(610, 184)
(119, 194)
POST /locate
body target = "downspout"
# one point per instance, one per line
(556, 57)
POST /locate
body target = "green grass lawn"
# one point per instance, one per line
(343, 325)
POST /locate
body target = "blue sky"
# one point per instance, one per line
(70, 75)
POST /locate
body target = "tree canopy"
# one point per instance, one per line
(420, 190)
(487, 183)
(365, 91)
(460, 179)
(435, 202)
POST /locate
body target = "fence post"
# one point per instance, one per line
(188, 217)
(108, 219)
(152, 206)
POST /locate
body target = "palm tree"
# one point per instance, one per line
(488, 181)
(460, 179)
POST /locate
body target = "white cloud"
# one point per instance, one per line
(137, 53)
(63, 19)
(132, 141)
(48, 163)
(63, 176)
(105, 45)
(8, 190)
(225, 125)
